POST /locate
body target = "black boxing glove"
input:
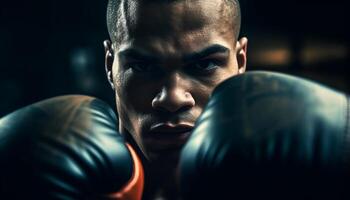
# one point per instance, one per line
(269, 136)
(67, 148)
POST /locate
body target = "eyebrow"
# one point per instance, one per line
(139, 54)
(213, 49)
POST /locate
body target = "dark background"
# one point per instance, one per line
(54, 47)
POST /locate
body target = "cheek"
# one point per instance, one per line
(201, 92)
(202, 95)
(134, 93)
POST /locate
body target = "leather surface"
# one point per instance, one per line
(63, 148)
(271, 136)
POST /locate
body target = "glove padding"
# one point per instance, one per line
(269, 136)
(67, 148)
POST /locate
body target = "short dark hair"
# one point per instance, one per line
(115, 13)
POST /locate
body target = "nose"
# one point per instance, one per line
(174, 95)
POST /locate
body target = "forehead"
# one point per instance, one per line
(182, 25)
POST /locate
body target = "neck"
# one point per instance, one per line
(161, 173)
(162, 180)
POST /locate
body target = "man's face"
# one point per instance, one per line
(170, 58)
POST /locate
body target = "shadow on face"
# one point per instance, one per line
(167, 60)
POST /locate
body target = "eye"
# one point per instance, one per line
(142, 67)
(204, 66)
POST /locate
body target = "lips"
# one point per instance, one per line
(163, 136)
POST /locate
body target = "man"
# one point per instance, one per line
(271, 135)
(163, 61)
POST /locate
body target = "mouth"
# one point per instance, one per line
(164, 136)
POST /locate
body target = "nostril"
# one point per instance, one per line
(184, 108)
(173, 102)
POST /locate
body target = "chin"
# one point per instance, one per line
(169, 156)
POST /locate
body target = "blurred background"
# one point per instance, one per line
(54, 47)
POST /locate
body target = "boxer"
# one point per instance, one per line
(163, 60)
(262, 135)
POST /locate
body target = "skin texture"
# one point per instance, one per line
(156, 82)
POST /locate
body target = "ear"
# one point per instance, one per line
(109, 59)
(241, 54)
